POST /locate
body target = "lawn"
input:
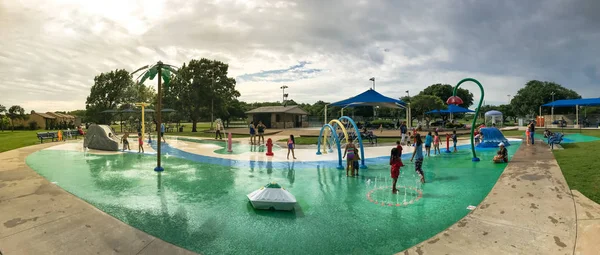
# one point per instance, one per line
(580, 169)
(10, 140)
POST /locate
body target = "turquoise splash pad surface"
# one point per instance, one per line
(203, 207)
(571, 138)
(236, 147)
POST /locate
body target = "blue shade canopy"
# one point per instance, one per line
(451, 109)
(493, 113)
(370, 98)
(574, 102)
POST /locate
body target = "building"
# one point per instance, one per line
(49, 120)
(279, 116)
(63, 119)
(43, 120)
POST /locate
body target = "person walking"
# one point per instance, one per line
(418, 155)
(403, 130)
(532, 132)
(218, 131)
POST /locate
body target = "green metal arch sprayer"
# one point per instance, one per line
(454, 99)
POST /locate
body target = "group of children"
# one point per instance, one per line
(417, 155)
(125, 141)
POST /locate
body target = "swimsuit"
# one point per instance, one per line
(252, 132)
(261, 129)
(350, 153)
(290, 144)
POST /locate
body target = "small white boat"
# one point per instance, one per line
(272, 197)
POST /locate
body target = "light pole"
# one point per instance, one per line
(283, 93)
(552, 105)
(508, 98)
(373, 80)
(408, 113)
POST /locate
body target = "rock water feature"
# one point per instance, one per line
(409, 190)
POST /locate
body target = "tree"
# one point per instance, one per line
(444, 91)
(536, 93)
(2, 111)
(15, 112)
(421, 104)
(508, 112)
(110, 90)
(202, 88)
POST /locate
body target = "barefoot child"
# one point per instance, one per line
(395, 164)
(350, 152)
(418, 154)
(140, 143)
(454, 139)
(291, 145)
(125, 141)
(428, 141)
(436, 143)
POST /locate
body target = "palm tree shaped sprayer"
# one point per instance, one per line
(164, 73)
(455, 100)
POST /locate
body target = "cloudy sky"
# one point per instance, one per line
(327, 50)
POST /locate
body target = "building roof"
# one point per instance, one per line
(45, 115)
(294, 109)
(370, 98)
(60, 115)
(574, 102)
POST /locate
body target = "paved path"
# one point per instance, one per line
(38, 217)
(530, 210)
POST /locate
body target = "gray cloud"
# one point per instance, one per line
(51, 52)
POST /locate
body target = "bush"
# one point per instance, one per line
(20, 127)
(33, 125)
(452, 125)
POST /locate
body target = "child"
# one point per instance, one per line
(253, 135)
(428, 141)
(125, 141)
(527, 134)
(140, 143)
(436, 143)
(408, 143)
(419, 155)
(399, 147)
(350, 151)
(291, 143)
(395, 164)
(454, 139)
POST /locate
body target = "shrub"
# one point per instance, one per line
(33, 125)
(452, 125)
(20, 127)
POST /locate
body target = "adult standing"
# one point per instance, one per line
(162, 132)
(218, 131)
(403, 130)
(532, 131)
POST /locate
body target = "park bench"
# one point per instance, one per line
(46, 135)
(556, 138)
(71, 133)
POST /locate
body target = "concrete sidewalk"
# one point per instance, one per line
(38, 217)
(530, 210)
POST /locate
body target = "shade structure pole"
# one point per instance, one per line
(326, 113)
(577, 115)
(158, 168)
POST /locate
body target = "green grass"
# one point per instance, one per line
(580, 168)
(10, 140)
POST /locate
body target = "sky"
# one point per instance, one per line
(322, 50)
